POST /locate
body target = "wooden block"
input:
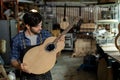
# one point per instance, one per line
(3, 74)
(2, 46)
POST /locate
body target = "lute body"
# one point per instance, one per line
(117, 38)
(64, 22)
(39, 60)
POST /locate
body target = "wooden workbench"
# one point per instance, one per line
(114, 55)
(105, 72)
(111, 51)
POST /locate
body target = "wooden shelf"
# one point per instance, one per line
(107, 21)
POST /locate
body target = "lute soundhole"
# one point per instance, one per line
(50, 47)
(64, 19)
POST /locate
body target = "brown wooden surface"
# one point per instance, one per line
(109, 73)
(102, 70)
(38, 60)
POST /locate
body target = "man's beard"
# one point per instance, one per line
(34, 32)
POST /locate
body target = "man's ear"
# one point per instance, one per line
(27, 26)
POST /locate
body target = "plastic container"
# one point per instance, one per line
(11, 75)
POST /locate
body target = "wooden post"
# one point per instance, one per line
(16, 9)
(16, 14)
(1, 9)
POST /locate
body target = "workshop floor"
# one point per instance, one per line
(66, 69)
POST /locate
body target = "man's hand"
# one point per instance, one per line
(62, 38)
(21, 66)
(24, 68)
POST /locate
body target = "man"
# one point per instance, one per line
(33, 35)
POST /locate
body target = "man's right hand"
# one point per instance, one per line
(21, 66)
(24, 68)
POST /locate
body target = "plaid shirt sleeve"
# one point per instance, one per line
(15, 47)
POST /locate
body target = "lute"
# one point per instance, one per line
(117, 38)
(64, 22)
(42, 58)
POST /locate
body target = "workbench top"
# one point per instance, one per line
(111, 51)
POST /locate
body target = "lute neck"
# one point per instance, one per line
(63, 33)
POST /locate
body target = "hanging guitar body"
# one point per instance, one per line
(64, 22)
(41, 59)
